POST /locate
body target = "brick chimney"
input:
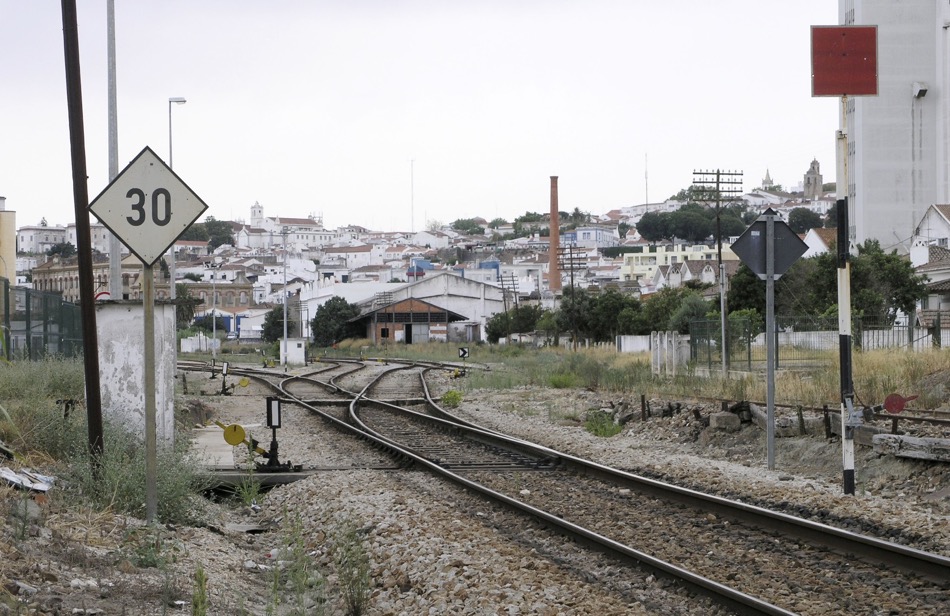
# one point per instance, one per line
(554, 272)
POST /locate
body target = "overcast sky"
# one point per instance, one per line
(321, 106)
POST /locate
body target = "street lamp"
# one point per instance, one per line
(214, 309)
(178, 100)
(284, 354)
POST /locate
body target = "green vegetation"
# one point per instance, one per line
(331, 323)
(882, 284)
(215, 232)
(294, 575)
(599, 423)
(199, 596)
(273, 328)
(34, 425)
(352, 567)
(451, 399)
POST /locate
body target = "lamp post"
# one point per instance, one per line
(178, 100)
(214, 310)
(284, 353)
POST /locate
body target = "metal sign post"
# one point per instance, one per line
(844, 63)
(769, 247)
(770, 338)
(148, 207)
(151, 445)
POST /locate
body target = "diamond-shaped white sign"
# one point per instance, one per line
(147, 206)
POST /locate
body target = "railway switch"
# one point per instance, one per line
(235, 435)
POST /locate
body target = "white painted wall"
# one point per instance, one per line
(121, 331)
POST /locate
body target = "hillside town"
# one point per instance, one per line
(445, 282)
(456, 275)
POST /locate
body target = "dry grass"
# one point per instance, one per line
(875, 374)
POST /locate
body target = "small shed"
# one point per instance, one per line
(410, 321)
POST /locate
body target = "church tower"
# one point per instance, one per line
(813, 182)
(257, 215)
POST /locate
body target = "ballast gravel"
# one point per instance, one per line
(432, 548)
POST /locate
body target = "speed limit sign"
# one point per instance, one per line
(147, 206)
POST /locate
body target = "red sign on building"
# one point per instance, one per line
(844, 60)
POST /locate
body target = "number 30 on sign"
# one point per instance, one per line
(147, 206)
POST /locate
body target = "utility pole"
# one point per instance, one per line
(566, 256)
(509, 286)
(720, 185)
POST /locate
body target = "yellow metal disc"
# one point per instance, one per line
(244, 382)
(234, 435)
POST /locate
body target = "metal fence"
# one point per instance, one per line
(800, 342)
(37, 324)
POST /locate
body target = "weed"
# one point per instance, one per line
(20, 515)
(146, 547)
(451, 398)
(562, 381)
(601, 424)
(352, 564)
(293, 574)
(249, 490)
(199, 598)
(119, 481)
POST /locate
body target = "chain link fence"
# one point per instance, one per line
(37, 324)
(800, 342)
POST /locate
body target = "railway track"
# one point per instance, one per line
(800, 566)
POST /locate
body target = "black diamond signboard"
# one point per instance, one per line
(751, 246)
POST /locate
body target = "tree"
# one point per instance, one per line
(468, 226)
(220, 232)
(433, 225)
(497, 222)
(831, 218)
(331, 323)
(574, 313)
(881, 285)
(63, 249)
(518, 320)
(578, 217)
(195, 233)
(622, 229)
(801, 219)
(654, 226)
(604, 310)
(185, 306)
(690, 224)
(890, 277)
(730, 225)
(692, 307)
(746, 291)
(660, 306)
(273, 329)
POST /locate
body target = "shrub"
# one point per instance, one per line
(599, 423)
(119, 481)
(451, 398)
(562, 381)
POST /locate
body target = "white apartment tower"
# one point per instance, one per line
(899, 140)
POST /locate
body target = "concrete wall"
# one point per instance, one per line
(633, 344)
(296, 351)
(8, 245)
(121, 330)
